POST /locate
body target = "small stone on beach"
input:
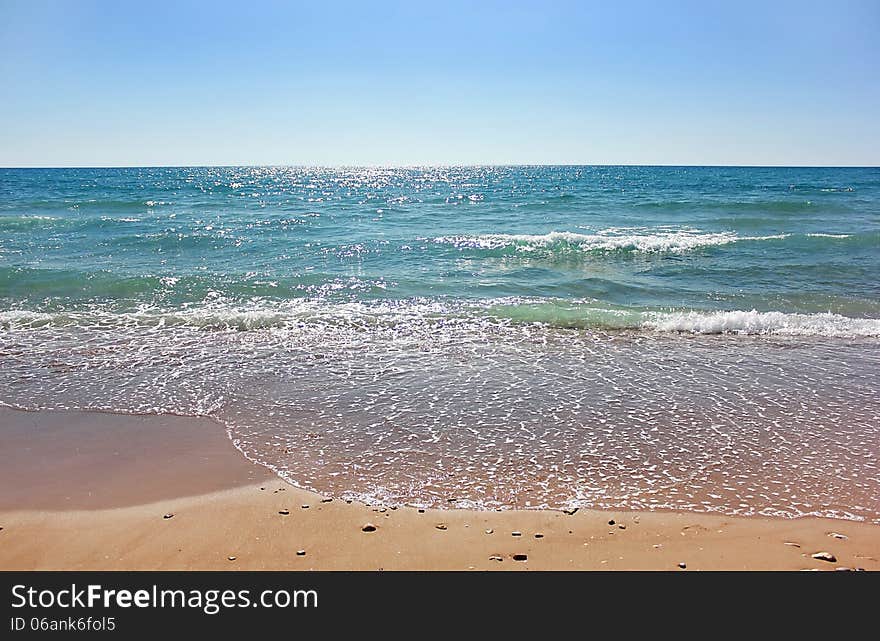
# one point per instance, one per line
(682, 565)
(440, 526)
(622, 526)
(516, 533)
(539, 535)
(570, 511)
(304, 506)
(496, 557)
(167, 516)
(368, 527)
(489, 531)
(520, 557)
(231, 558)
(285, 511)
(824, 556)
(838, 535)
(300, 552)
(611, 522)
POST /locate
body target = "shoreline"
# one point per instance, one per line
(91, 491)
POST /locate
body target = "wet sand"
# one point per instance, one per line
(93, 491)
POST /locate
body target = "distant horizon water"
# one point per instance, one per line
(702, 338)
(436, 166)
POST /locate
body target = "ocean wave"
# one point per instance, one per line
(402, 317)
(755, 322)
(824, 235)
(634, 240)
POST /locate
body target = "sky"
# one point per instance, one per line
(95, 83)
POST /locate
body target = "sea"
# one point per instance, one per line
(701, 339)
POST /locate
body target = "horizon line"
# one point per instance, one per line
(433, 166)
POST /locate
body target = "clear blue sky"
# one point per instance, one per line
(328, 83)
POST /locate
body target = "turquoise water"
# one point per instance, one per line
(549, 244)
(653, 337)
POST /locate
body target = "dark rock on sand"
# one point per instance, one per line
(368, 527)
(570, 511)
(611, 522)
(824, 556)
(300, 552)
(167, 516)
(520, 557)
(682, 565)
(285, 511)
(440, 526)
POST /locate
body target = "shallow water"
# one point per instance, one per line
(670, 338)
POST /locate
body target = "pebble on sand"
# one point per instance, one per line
(285, 511)
(326, 500)
(824, 556)
(167, 516)
(516, 533)
(611, 522)
(231, 558)
(838, 535)
(300, 552)
(368, 527)
(304, 506)
(440, 526)
(539, 535)
(490, 531)
(520, 557)
(682, 565)
(570, 511)
(496, 557)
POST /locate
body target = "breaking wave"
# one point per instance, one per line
(403, 316)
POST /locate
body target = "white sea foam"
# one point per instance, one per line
(754, 322)
(614, 239)
(421, 316)
(821, 235)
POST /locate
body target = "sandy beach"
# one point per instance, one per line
(94, 491)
